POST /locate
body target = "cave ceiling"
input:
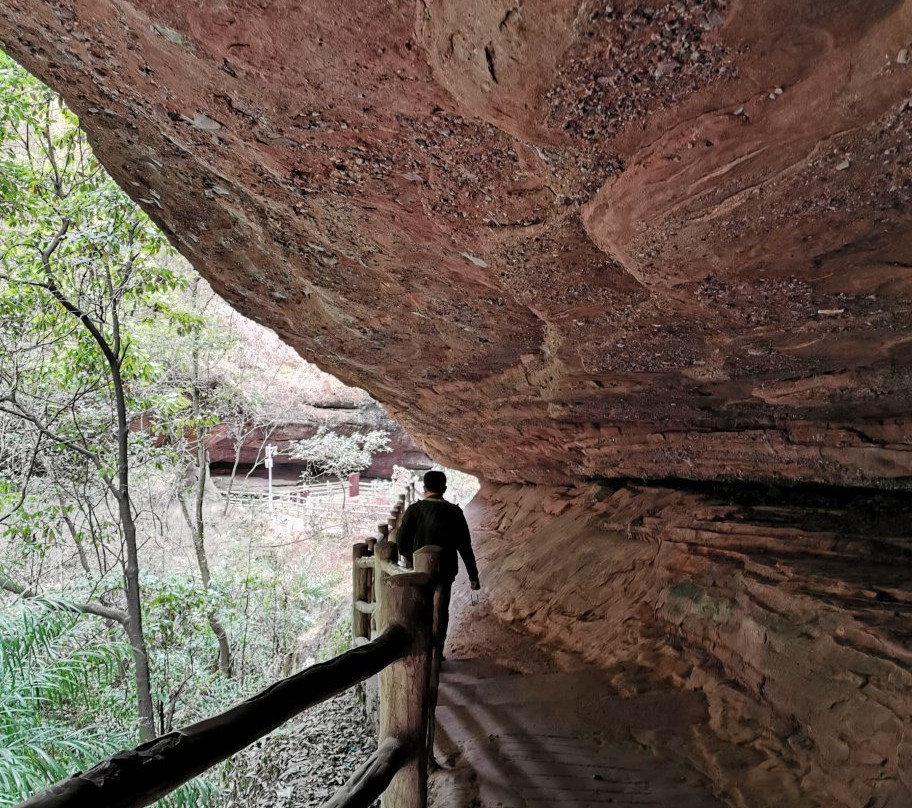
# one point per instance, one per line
(557, 239)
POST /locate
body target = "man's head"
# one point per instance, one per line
(435, 482)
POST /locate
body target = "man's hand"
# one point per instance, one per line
(474, 585)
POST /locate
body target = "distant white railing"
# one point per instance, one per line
(375, 498)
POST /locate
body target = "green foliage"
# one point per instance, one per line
(54, 673)
(32, 525)
(338, 638)
(64, 701)
(66, 695)
(264, 610)
(80, 260)
(88, 300)
(81, 264)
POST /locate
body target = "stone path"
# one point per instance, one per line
(522, 727)
(559, 739)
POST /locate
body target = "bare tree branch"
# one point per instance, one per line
(92, 607)
(33, 419)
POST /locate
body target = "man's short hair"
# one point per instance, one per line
(435, 482)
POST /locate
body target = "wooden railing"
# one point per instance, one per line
(406, 689)
(395, 619)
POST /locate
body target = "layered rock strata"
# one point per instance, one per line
(788, 608)
(557, 239)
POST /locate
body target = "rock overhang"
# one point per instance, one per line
(556, 239)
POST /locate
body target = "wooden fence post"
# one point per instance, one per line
(407, 600)
(386, 551)
(383, 551)
(362, 585)
(427, 559)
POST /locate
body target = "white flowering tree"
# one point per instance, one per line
(331, 453)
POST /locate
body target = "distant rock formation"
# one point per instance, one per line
(405, 452)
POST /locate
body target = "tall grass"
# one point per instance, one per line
(66, 690)
(65, 699)
(57, 676)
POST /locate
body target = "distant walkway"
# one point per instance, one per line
(513, 732)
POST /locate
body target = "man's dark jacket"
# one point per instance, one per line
(433, 520)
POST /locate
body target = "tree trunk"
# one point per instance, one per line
(133, 625)
(112, 350)
(238, 447)
(199, 528)
(199, 544)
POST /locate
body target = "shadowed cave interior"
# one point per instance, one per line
(645, 270)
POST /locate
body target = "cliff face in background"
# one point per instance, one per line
(403, 452)
(788, 609)
(603, 239)
(569, 240)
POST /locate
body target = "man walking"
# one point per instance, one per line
(433, 520)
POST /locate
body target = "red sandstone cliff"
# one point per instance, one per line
(788, 609)
(600, 239)
(566, 240)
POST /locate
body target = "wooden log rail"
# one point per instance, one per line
(394, 625)
(372, 778)
(395, 615)
(143, 775)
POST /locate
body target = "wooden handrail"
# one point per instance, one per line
(142, 775)
(404, 604)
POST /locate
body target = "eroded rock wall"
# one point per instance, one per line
(557, 238)
(788, 608)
